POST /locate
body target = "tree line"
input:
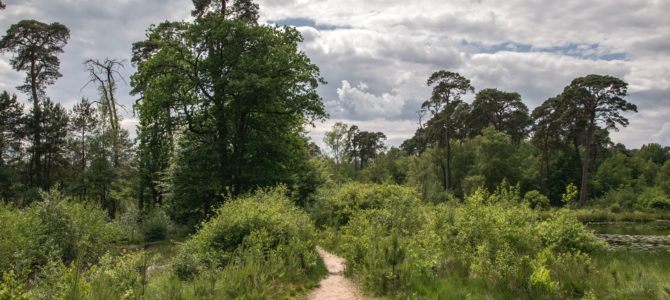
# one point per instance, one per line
(564, 141)
(223, 101)
(83, 150)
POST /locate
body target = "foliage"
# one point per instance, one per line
(13, 286)
(55, 228)
(230, 107)
(492, 238)
(263, 232)
(155, 225)
(335, 207)
(535, 200)
(503, 110)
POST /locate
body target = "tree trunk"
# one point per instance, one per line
(583, 192)
(37, 166)
(447, 177)
(543, 158)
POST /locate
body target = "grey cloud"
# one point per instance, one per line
(393, 46)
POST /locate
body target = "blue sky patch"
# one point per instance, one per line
(584, 51)
(299, 22)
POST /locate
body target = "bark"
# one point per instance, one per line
(35, 179)
(583, 192)
(447, 181)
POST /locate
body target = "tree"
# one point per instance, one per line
(504, 110)
(11, 133)
(364, 145)
(595, 99)
(35, 46)
(11, 117)
(655, 153)
(546, 125)
(53, 139)
(449, 87)
(82, 123)
(244, 10)
(103, 73)
(336, 140)
(238, 95)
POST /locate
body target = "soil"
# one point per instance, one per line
(335, 286)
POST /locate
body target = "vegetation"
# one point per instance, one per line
(223, 196)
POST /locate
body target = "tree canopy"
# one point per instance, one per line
(235, 94)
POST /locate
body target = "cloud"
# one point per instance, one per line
(377, 54)
(360, 104)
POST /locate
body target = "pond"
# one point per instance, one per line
(654, 235)
(658, 227)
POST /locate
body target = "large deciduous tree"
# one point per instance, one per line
(236, 95)
(448, 89)
(595, 100)
(35, 46)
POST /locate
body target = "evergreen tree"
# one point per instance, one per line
(35, 46)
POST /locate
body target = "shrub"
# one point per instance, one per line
(130, 222)
(535, 200)
(13, 286)
(155, 225)
(335, 208)
(494, 239)
(566, 234)
(73, 230)
(653, 198)
(54, 228)
(22, 239)
(120, 277)
(379, 244)
(263, 235)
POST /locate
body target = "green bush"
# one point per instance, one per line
(492, 240)
(263, 236)
(378, 242)
(120, 277)
(22, 240)
(334, 208)
(535, 200)
(74, 230)
(54, 228)
(653, 198)
(155, 225)
(130, 222)
(565, 234)
(13, 286)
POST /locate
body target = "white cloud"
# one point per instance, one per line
(393, 46)
(358, 100)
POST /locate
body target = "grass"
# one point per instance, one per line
(631, 275)
(612, 275)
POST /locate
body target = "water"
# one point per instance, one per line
(659, 227)
(634, 235)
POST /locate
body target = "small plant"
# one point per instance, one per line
(13, 286)
(569, 198)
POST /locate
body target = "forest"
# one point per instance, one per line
(223, 195)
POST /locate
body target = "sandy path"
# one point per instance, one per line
(335, 286)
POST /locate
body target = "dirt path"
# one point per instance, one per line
(335, 286)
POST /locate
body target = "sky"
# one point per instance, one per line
(376, 55)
